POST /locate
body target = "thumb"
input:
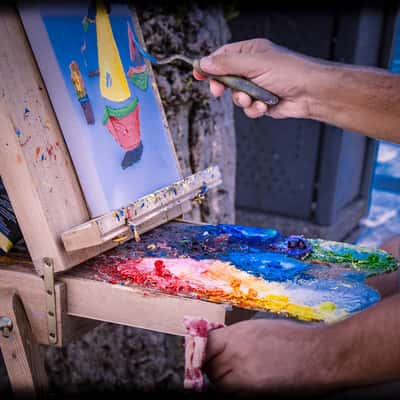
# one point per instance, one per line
(231, 64)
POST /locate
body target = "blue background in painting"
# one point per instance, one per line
(158, 166)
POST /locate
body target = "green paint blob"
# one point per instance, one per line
(140, 79)
(119, 112)
(370, 261)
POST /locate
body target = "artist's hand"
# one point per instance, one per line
(268, 356)
(287, 74)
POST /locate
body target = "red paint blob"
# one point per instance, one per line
(128, 271)
(159, 267)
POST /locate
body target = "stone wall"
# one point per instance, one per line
(201, 126)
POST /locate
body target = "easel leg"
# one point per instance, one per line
(20, 350)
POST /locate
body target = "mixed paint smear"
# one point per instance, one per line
(371, 262)
(248, 267)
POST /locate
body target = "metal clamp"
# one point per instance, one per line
(50, 299)
(6, 326)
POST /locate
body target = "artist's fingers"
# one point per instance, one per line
(217, 364)
(220, 372)
(217, 370)
(216, 88)
(198, 75)
(241, 99)
(216, 343)
(244, 46)
(256, 109)
(227, 383)
(231, 64)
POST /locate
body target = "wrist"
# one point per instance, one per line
(322, 352)
(340, 367)
(321, 91)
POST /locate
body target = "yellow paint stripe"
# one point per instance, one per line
(113, 83)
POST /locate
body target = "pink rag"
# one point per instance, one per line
(195, 350)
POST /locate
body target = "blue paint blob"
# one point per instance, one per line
(270, 266)
(249, 235)
(260, 239)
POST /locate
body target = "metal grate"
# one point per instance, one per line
(276, 165)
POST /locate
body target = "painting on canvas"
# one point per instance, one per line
(105, 99)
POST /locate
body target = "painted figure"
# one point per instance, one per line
(79, 84)
(138, 73)
(121, 108)
(124, 125)
(122, 121)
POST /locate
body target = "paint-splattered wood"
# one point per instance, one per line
(134, 306)
(145, 213)
(30, 288)
(34, 162)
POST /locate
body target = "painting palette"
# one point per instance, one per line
(253, 268)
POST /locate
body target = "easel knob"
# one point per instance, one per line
(6, 326)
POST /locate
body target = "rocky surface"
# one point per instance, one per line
(117, 358)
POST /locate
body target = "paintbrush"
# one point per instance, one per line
(231, 81)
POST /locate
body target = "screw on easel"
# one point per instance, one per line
(6, 326)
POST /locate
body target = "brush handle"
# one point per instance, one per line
(242, 85)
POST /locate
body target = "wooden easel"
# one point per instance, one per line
(45, 301)
(20, 348)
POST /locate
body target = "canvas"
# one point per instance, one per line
(105, 98)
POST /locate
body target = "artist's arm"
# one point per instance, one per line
(362, 99)
(386, 284)
(279, 356)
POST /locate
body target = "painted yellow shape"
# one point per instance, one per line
(113, 83)
(329, 312)
(304, 313)
(276, 302)
(77, 79)
(327, 306)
